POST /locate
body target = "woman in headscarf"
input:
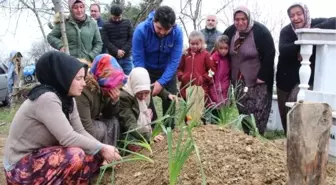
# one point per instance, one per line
(134, 101)
(99, 102)
(14, 67)
(82, 32)
(47, 143)
(287, 76)
(252, 53)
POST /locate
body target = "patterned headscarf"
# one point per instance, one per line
(240, 36)
(305, 13)
(107, 72)
(247, 12)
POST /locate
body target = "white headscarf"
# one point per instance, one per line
(138, 80)
(305, 12)
(247, 12)
(250, 25)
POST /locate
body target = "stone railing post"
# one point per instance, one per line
(305, 70)
(325, 42)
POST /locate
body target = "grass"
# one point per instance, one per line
(231, 114)
(6, 117)
(277, 134)
(185, 144)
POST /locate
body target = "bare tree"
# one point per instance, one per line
(41, 10)
(33, 8)
(225, 16)
(135, 12)
(58, 7)
(274, 21)
(38, 49)
(145, 8)
(190, 12)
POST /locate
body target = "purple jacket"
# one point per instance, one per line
(219, 89)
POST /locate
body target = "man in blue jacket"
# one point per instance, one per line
(157, 46)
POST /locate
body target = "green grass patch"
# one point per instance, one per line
(272, 135)
(6, 117)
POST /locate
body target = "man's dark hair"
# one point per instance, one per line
(95, 4)
(116, 10)
(165, 16)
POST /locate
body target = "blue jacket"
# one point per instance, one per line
(151, 52)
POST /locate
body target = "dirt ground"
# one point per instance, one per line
(228, 157)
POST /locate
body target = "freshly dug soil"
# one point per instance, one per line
(228, 157)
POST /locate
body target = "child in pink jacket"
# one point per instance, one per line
(219, 89)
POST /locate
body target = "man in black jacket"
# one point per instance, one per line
(117, 37)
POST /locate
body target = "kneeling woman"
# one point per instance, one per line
(47, 143)
(99, 102)
(134, 101)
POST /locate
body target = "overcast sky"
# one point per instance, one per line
(18, 33)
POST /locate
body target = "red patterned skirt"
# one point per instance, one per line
(55, 166)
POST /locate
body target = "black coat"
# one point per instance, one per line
(287, 76)
(266, 49)
(118, 35)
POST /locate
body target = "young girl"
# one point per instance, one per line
(195, 65)
(134, 112)
(219, 89)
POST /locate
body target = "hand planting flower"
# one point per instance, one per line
(110, 153)
(158, 138)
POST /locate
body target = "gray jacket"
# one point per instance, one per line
(210, 37)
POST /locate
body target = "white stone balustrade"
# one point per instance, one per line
(324, 89)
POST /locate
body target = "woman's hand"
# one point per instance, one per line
(121, 53)
(114, 94)
(299, 57)
(110, 153)
(150, 113)
(260, 81)
(158, 138)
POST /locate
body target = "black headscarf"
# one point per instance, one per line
(56, 71)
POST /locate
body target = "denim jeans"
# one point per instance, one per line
(126, 64)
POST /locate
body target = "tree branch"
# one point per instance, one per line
(184, 26)
(224, 6)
